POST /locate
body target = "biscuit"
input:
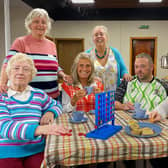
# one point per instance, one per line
(136, 131)
(147, 131)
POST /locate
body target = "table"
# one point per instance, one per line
(78, 150)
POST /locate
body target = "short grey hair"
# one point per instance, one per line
(145, 55)
(104, 28)
(81, 55)
(37, 12)
(20, 57)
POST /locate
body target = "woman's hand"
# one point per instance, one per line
(67, 79)
(96, 90)
(3, 79)
(127, 77)
(98, 78)
(78, 95)
(51, 130)
(154, 116)
(3, 87)
(47, 118)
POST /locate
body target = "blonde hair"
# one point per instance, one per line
(104, 28)
(20, 57)
(37, 12)
(74, 67)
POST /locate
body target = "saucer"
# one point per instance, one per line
(71, 120)
(140, 118)
(131, 111)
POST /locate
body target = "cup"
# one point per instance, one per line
(140, 113)
(137, 105)
(77, 115)
(92, 111)
(89, 89)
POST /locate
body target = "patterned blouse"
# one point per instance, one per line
(108, 72)
(86, 103)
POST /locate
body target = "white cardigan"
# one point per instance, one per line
(162, 108)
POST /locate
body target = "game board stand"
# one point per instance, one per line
(104, 114)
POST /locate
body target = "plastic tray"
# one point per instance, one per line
(104, 132)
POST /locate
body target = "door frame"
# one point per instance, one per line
(69, 39)
(155, 51)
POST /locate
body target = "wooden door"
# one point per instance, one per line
(139, 45)
(67, 50)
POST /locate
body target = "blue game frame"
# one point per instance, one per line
(104, 113)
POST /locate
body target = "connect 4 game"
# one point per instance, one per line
(104, 114)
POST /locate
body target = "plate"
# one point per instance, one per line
(156, 128)
(78, 122)
(131, 111)
(138, 118)
(92, 112)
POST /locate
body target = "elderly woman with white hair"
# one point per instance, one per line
(108, 62)
(25, 114)
(41, 50)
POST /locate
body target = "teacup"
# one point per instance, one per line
(137, 105)
(140, 113)
(77, 115)
(89, 89)
(92, 111)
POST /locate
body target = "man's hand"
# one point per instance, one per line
(125, 106)
(128, 106)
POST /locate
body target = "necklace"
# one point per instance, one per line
(101, 57)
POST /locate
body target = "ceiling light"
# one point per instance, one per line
(83, 1)
(150, 1)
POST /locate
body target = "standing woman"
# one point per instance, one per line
(41, 50)
(108, 62)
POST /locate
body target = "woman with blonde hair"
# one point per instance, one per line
(109, 64)
(75, 96)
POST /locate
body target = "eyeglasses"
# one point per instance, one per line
(24, 69)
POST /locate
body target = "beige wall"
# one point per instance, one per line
(119, 35)
(18, 11)
(2, 36)
(119, 32)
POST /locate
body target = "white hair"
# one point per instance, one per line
(20, 57)
(37, 12)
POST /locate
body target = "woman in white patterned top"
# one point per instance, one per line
(108, 62)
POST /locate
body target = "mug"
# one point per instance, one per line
(89, 89)
(77, 115)
(140, 113)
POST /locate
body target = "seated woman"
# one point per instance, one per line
(157, 114)
(22, 110)
(75, 96)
